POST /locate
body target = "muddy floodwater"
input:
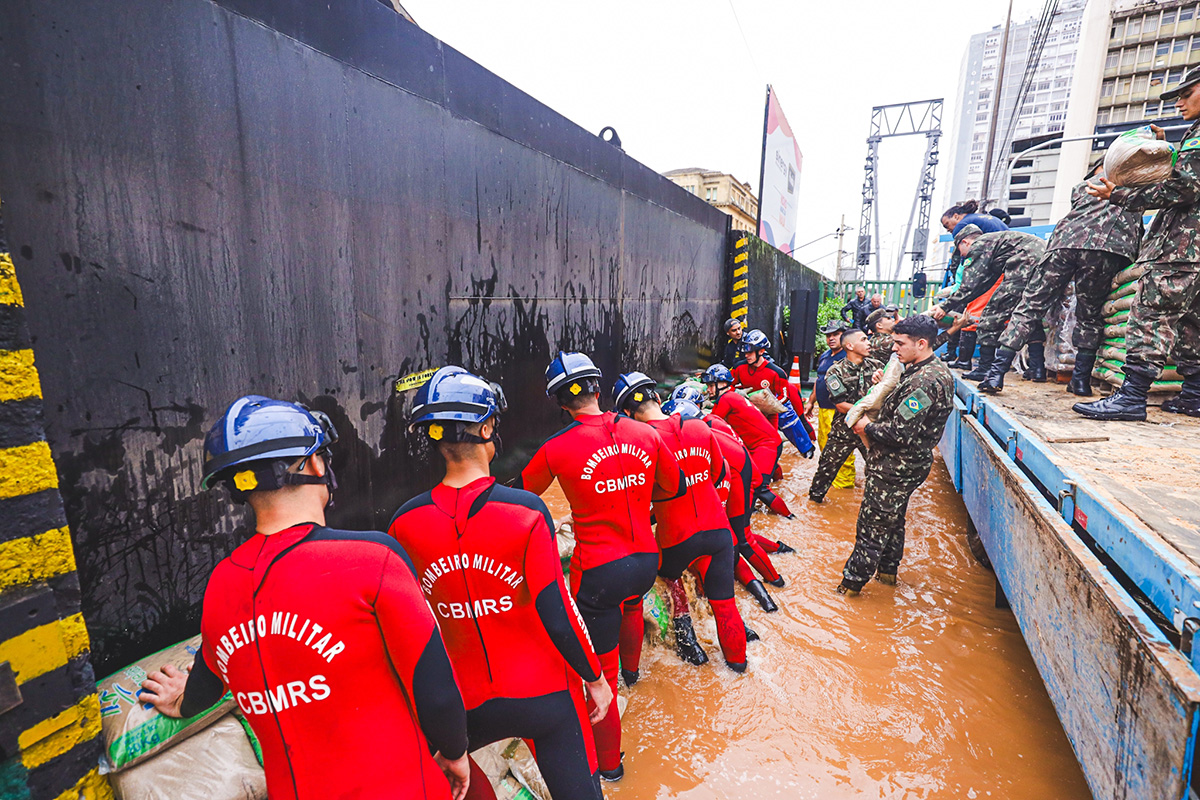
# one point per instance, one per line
(925, 690)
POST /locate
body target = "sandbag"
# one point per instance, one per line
(1131, 274)
(1117, 378)
(873, 399)
(132, 730)
(564, 537)
(766, 402)
(1138, 158)
(656, 610)
(215, 763)
(1120, 304)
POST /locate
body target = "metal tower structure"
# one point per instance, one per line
(900, 119)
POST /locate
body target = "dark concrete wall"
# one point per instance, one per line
(773, 276)
(305, 200)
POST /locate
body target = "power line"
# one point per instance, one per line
(745, 42)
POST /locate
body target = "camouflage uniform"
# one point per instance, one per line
(1009, 253)
(881, 346)
(903, 436)
(1091, 244)
(846, 383)
(1165, 318)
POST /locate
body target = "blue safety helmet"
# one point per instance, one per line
(258, 430)
(452, 399)
(717, 373)
(685, 391)
(684, 408)
(636, 386)
(572, 368)
(755, 340)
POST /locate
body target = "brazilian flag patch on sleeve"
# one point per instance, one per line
(914, 404)
(1190, 144)
(833, 384)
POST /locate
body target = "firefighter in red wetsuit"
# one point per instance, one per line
(758, 372)
(323, 636)
(755, 431)
(609, 468)
(489, 566)
(735, 492)
(693, 526)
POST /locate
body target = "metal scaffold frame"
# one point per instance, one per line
(899, 119)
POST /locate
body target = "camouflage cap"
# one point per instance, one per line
(880, 313)
(1190, 78)
(967, 230)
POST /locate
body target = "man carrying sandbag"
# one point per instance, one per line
(902, 437)
(847, 381)
(1009, 254)
(1164, 321)
(1091, 244)
(610, 468)
(490, 568)
(760, 374)
(323, 636)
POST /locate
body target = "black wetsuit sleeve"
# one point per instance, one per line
(553, 603)
(204, 689)
(439, 703)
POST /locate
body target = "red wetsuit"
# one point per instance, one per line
(488, 564)
(695, 447)
(770, 376)
(610, 468)
(743, 482)
(327, 643)
(695, 527)
(756, 432)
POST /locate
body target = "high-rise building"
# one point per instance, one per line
(1150, 44)
(1043, 110)
(722, 190)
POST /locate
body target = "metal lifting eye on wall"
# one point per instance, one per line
(609, 134)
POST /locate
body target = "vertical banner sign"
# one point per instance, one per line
(779, 179)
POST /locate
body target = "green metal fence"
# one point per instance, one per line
(898, 293)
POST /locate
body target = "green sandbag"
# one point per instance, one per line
(1112, 307)
(1116, 378)
(1129, 274)
(657, 608)
(1115, 331)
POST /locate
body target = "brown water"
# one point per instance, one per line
(925, 690)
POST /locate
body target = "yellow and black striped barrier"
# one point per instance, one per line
(49, 712)
(739, 293)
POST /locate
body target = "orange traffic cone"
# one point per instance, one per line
(794, 378)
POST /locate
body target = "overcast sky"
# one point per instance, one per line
(684, 88)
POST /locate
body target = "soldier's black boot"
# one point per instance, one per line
(1127, 403)
(1188, 399)
(1037, 362)
(994, 380)
(759, 593)
(1081, 375)
(966, 350)
(986, 356)
(685, 642)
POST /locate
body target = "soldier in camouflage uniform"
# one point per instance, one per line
(902, 437)
(1091, 244)
(1165, 318)
(1009, 253)
(879, 327)
(846, 381)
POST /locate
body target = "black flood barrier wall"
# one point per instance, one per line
(773, 277)
(304, 200)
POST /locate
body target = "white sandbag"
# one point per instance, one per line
(872, 401)
(216, 763)
(765, 402)
(132, 730)
(1138, 158)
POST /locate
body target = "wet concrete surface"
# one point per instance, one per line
(924, 690)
